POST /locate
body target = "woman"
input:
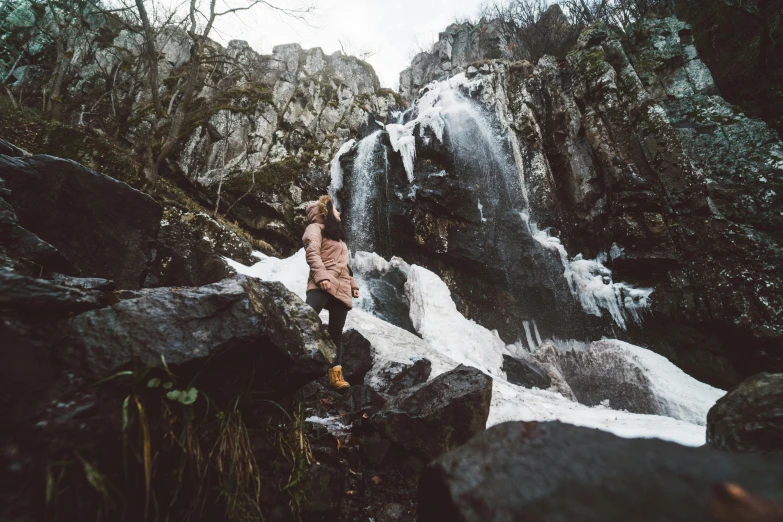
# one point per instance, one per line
(330, 284)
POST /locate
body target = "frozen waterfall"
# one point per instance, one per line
(445, 111)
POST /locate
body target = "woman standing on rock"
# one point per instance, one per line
(331, 283)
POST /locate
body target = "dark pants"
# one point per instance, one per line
(338, 312)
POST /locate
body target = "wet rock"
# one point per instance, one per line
(22, 293)
(394, 376)
(524, 373)
(324, 488)
(437, 416)
(84, 283)
(357, 356)
(23, 250)
(555, 471)
(186, 256)
(750, 417)
(198, 324)
(33, 313)
(375, 449)
(103, 226)
(9, 149)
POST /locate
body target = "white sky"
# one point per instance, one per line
(390, 28)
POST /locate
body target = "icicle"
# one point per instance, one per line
(535, 329)
(529, 337)
(336, 170)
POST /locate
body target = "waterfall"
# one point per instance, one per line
(367, 217)
(446, 111)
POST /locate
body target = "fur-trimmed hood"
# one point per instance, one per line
(316, 212)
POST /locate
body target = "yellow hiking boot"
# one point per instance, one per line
(336, 378)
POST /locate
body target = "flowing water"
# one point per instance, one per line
(483, 161)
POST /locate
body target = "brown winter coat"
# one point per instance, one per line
(328, 259)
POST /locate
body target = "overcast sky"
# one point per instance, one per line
(389, 28)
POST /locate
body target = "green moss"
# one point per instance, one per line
(384, 92)
(271, 175)
(591, 62)
(28, 129)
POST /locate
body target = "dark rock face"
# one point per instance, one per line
(357, 356)
(192, 324)
(748, 75)
(626, 148)
(33, 313)
(524, 373)
(553, 471)
(644, 154)
(439, 415)
(189, 250)
(106, 228)
(23, 250)
(21, 293)
(750, 417)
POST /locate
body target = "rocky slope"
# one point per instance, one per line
(126, 398)
(260, 132)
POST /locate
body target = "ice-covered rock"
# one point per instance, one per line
(395, 347)
(626, 377)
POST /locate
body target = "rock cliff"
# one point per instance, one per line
(625, 151)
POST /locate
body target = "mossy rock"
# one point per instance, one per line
(29, 129)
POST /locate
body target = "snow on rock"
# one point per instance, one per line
(291, 271)
(436, 319)
(635, 374)
(448, 339)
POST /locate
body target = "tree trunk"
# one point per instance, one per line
(152, 58)
(54, 104)
(175, 125)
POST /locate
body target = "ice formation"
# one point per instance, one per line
(448, 339)
(436, 319)
(672, 392)
(336, 170)
(442, 105)
(591, 282)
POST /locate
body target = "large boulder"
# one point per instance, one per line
(439, 415)
(175, 327)
(32, 315)
(524, 373)
(105, 227)
(23, 250)
(555, 472)
(190, 249)
(749, 417)
(357, 356)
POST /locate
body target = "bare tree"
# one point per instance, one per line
(534, 27)
(201, 19)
